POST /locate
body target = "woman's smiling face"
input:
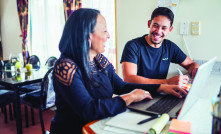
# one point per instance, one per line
(100, 35)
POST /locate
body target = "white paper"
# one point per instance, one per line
(129, 120)
(171, 4)
(116, 130)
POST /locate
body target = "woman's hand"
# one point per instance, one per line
(173, 89)
(135, 96)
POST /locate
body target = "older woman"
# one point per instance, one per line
(84, 80)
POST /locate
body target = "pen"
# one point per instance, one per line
(148, 119)
(187, 88)
(179, 71)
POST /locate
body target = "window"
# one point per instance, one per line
(46, 22)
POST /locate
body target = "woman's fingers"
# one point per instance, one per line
(147, 95)
(182, 90)
(176, 94)
(140, 94)
(135, 96)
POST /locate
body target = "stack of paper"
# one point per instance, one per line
(129, 121)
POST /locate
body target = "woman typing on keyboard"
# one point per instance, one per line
(85, 81)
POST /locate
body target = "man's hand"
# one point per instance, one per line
(191, 66)
(193, 73)
(180, 80)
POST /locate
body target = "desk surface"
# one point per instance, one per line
(100, 128)
(199, 114)
(87, 129)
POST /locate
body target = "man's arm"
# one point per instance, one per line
(130, 75)
(190, 66)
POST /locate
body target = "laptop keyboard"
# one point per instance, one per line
(164, 105)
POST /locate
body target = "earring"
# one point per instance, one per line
(89, 43)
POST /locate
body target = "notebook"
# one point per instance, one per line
(174, 105)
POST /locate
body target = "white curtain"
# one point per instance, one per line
(46, 22)
(107, 9)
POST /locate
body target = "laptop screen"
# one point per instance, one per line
(197, 86)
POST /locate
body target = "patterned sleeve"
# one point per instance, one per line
(70, 86)
(102, 61)
(64, 71)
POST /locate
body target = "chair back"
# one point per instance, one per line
(1, 72)
(1, 64)
(51, 61)
(47, 94)
(34, 60)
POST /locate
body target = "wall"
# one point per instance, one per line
(132, 22)
(10, 28)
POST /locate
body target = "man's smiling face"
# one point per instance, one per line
(160, 26)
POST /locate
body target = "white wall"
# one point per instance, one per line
(132, 17)
(132, 20)
(205, 45)
(10, 28)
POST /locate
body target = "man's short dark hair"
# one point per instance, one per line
(164, 11)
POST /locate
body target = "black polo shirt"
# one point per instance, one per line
(152, 62)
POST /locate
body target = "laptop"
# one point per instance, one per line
(170, 104)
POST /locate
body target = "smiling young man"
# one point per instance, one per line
(146, 59)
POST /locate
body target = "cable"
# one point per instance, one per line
(187, 48)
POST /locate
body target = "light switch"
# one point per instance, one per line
(184, 27)
(195, 28)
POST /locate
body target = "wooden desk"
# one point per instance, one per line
(87, 130)
(100, 125)
(199, 114)
(13, 80)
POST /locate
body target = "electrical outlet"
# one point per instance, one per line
(184, 27)
(195, 28)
